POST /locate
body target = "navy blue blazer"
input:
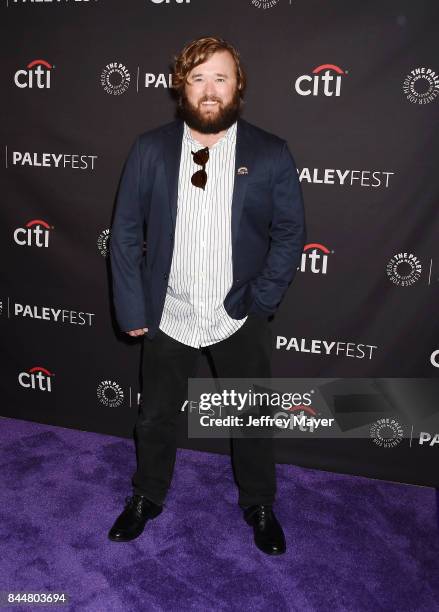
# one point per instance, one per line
(268, 226)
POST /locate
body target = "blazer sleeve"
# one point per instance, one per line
(287, 234)
(126, 247)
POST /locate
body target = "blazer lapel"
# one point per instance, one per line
(244, 159)
(172, 154)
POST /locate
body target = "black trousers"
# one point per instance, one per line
(167, 365)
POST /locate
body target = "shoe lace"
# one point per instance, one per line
(264, 513)
(261, 513)
(134, 501)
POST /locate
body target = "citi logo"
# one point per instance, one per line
(320, 81)
(36, 378)
(171, 1)
(434, 359)
(37, 74)
(35, 233)
(314, 258)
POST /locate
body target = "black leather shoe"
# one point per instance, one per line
(268, 533)
(130, 524)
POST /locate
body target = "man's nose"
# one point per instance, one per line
(210, 89)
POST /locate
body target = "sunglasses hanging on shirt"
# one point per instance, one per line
(201, 157)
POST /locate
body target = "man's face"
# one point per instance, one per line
(210, 102)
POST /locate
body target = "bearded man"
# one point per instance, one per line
(219, 204)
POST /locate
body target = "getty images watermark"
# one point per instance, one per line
(384, 411)
(243, 404)
(254, 407)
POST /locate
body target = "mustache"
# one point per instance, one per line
(209, 100)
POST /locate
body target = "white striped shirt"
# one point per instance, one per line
(201, 272)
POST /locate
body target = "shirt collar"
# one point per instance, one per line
(227, 138)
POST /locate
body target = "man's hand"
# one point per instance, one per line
(138, 332)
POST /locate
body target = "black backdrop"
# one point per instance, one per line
(354, 89)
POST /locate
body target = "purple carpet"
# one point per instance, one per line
(353, 544)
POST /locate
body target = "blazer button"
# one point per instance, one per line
(165, 276)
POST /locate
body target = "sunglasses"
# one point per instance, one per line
(201, 157)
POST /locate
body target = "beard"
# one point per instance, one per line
(208, 123)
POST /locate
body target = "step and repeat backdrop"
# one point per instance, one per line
(353, 88)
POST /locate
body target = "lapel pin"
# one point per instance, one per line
(242, 170)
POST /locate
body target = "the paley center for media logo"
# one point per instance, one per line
(404, 269)
(110, 393)
(421, 85)
(264, 4)
(386, 432)
(102, 242)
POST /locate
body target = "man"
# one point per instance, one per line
(222, 207)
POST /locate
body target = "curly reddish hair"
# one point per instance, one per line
(197, 52)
